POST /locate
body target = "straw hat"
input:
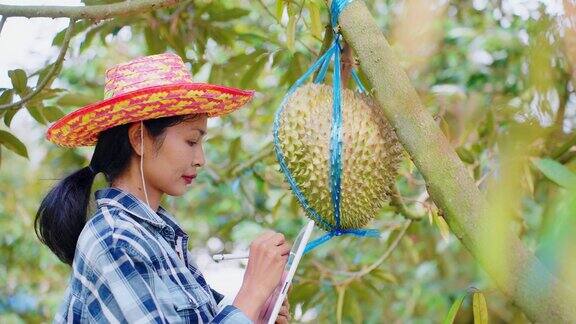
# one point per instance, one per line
(145, 88)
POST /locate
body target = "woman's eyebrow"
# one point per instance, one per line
(202, 132)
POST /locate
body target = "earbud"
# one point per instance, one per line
(142, 162)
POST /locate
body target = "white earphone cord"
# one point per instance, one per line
(142, 161)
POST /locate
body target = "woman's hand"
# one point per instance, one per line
(284, 316)
(267, 259)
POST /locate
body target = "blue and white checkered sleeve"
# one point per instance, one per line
(231, 314)
(228, 313)
(123, 289)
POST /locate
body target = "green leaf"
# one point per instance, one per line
(316, 21)
(19, 80)
(89, 36)
(352, 309)
(216, 74)
(52, 113)
(556, 172)
(384, 276)
(222, 36)
(431, 215)
(295, 69)
(361, 291)
(6, 98)
(479, 308)
(279, 10)
(234, 148)
(227, 14)
(341, 290)
(367, 281)
(35, 112)
(153, 42)
(251, 76)
(78, 28)
(442, 226)
(9, 115)
(303, 293)
(242, 60)
(12, 143)
(291, 34)
(454, 309)
(487, 128)
(75, 100)
(465, 155)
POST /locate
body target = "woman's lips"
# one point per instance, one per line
(188, 179)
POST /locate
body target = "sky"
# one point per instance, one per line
(26, 43)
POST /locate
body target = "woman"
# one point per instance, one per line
(130, 261)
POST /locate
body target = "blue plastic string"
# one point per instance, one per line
(336, 9)
(322, 73)
(335, 176)
(358, 82)
(336, 139)
(364, 232)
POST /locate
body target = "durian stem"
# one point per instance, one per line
(346, 63)
(514, 268)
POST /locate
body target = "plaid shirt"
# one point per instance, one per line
(133, 266)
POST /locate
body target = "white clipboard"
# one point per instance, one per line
(296, 253)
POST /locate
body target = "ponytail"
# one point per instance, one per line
(62, 214)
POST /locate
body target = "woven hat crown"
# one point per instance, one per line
(143, 72)
(147, 87)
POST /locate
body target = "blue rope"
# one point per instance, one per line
(336, 140)
(358, 82)
(322, 63)
(364, 232)
(336, 9)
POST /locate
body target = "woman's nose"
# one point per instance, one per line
(199, 159)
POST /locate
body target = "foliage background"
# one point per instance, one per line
(495, 74)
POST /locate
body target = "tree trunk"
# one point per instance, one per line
(520, 275)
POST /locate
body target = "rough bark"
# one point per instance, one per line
(522, 277)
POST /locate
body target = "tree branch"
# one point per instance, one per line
(558, 152)
(2, 21)
(49, 76)
(96, 12)
(264, 152)
(519, 274)
(381, 259)
(401, 208)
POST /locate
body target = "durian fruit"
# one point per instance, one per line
(370, 153)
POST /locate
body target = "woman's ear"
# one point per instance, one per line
(134, 137)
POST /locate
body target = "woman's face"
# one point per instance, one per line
(171, 167)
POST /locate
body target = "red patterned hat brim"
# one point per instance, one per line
(81, 127)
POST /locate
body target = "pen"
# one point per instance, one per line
(235, 256)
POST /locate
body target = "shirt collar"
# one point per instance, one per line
(126, 201)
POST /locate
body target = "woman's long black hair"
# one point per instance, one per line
(62, 213)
